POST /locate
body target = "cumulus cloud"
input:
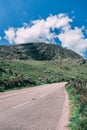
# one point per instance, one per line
(43, 30)
(38, 30)
(10, 35)
(74, 39)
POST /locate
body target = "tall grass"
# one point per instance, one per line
(78, 96)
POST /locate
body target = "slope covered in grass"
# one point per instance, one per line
(40, 51)
(38, 63)
(38, 72)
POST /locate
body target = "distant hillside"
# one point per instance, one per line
(39, 51)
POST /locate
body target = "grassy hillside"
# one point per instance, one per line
(38, 63)
(33, 72)
(40, 51)
(77, 90)
(15, 74)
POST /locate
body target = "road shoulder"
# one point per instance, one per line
(64, 120)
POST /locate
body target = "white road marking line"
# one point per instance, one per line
(30, 101)
(13, 94)
(21, 105)
(9, 95)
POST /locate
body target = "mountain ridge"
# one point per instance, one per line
(38, 51)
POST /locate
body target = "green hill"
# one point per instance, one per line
(39, 51)
(39, 63)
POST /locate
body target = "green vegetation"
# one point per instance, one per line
(40, 51)
(38, 63)
(15, 73)
(11, 78)
(34, 64)
(77, 90)
(20, 73)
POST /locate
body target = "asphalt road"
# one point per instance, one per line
(37, 108)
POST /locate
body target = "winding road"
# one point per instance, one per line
(36, 108)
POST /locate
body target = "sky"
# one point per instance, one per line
(57, 22)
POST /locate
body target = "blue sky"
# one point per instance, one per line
(36, 14)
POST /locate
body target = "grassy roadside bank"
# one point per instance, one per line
(17, 74)
(77, 91)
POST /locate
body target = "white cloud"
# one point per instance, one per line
(38, 30)
(43, 30)
(10, 35)
(74, 39)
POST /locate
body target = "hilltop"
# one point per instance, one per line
(39, 51)
(38, 63)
